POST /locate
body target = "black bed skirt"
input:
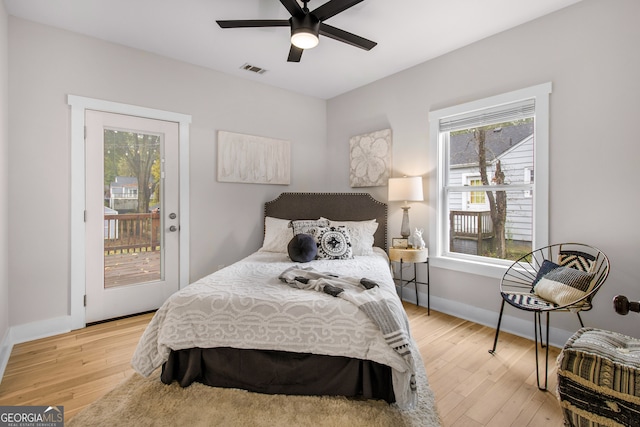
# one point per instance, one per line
(280, 372)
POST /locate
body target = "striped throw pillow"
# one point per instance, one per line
(564, 285)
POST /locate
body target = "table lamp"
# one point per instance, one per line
(407, 189)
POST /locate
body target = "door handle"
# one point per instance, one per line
(173, 228)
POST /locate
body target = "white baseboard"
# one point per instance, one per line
(513, 325)
(40, 329)
(29, 332)
(6, 345)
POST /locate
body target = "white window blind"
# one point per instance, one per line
(497, 114)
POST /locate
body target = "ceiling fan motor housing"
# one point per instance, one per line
(307, 23)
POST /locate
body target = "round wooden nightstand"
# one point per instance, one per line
(413, 256)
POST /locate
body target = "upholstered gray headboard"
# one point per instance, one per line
(335, 206)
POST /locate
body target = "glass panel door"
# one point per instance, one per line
(132, 214)
(132, 204)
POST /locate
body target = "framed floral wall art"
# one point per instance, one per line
(370, 159)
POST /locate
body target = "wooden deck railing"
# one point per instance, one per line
(470, 225)
(131, 233)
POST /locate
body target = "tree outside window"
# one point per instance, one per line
(131, 170)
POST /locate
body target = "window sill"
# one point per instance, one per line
(480, 268)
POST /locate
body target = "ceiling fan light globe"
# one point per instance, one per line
(304, 39)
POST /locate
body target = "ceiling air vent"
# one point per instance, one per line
(253, 69)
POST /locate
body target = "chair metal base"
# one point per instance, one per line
(537, 327)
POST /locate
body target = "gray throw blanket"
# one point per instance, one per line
(365, 295)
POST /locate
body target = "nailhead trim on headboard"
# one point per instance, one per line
(335, 206)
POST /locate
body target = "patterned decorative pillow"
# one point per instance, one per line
(307, 226)
(546, 267)
(579, 260)
(277, 235)
(361, 233)
(333, 243)
(564, 285)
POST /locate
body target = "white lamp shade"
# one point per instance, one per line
(407, 189)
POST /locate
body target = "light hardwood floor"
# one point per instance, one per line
(472, 387)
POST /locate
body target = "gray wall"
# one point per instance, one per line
(590, 53)
(4, 177)
(46, 64)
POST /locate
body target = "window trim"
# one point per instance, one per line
(438, 238)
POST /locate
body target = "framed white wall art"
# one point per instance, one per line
(370, 159)
(253, 159)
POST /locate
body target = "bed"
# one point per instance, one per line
(245, 327)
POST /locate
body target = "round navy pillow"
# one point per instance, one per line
(302, 248)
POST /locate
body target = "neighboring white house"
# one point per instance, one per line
(513, 146)
(123, 194)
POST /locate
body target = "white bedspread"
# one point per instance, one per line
(246, 306)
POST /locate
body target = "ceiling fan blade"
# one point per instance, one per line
(293, 7)
(295, 53)
(253, 23)
(346, 37)
(332, 8)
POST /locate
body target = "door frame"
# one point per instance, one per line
(79, 105)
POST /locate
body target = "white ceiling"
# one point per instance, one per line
(408, 32)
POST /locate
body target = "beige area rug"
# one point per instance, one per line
(142, 401)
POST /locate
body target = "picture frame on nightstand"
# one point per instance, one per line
(400, 242)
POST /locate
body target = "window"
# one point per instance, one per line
(476, 200)
(477, 197)
(489, 210)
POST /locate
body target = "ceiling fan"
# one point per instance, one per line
(307, 25)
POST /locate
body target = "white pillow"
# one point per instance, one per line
(277, 235)
(307, 226)
(361, 233)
